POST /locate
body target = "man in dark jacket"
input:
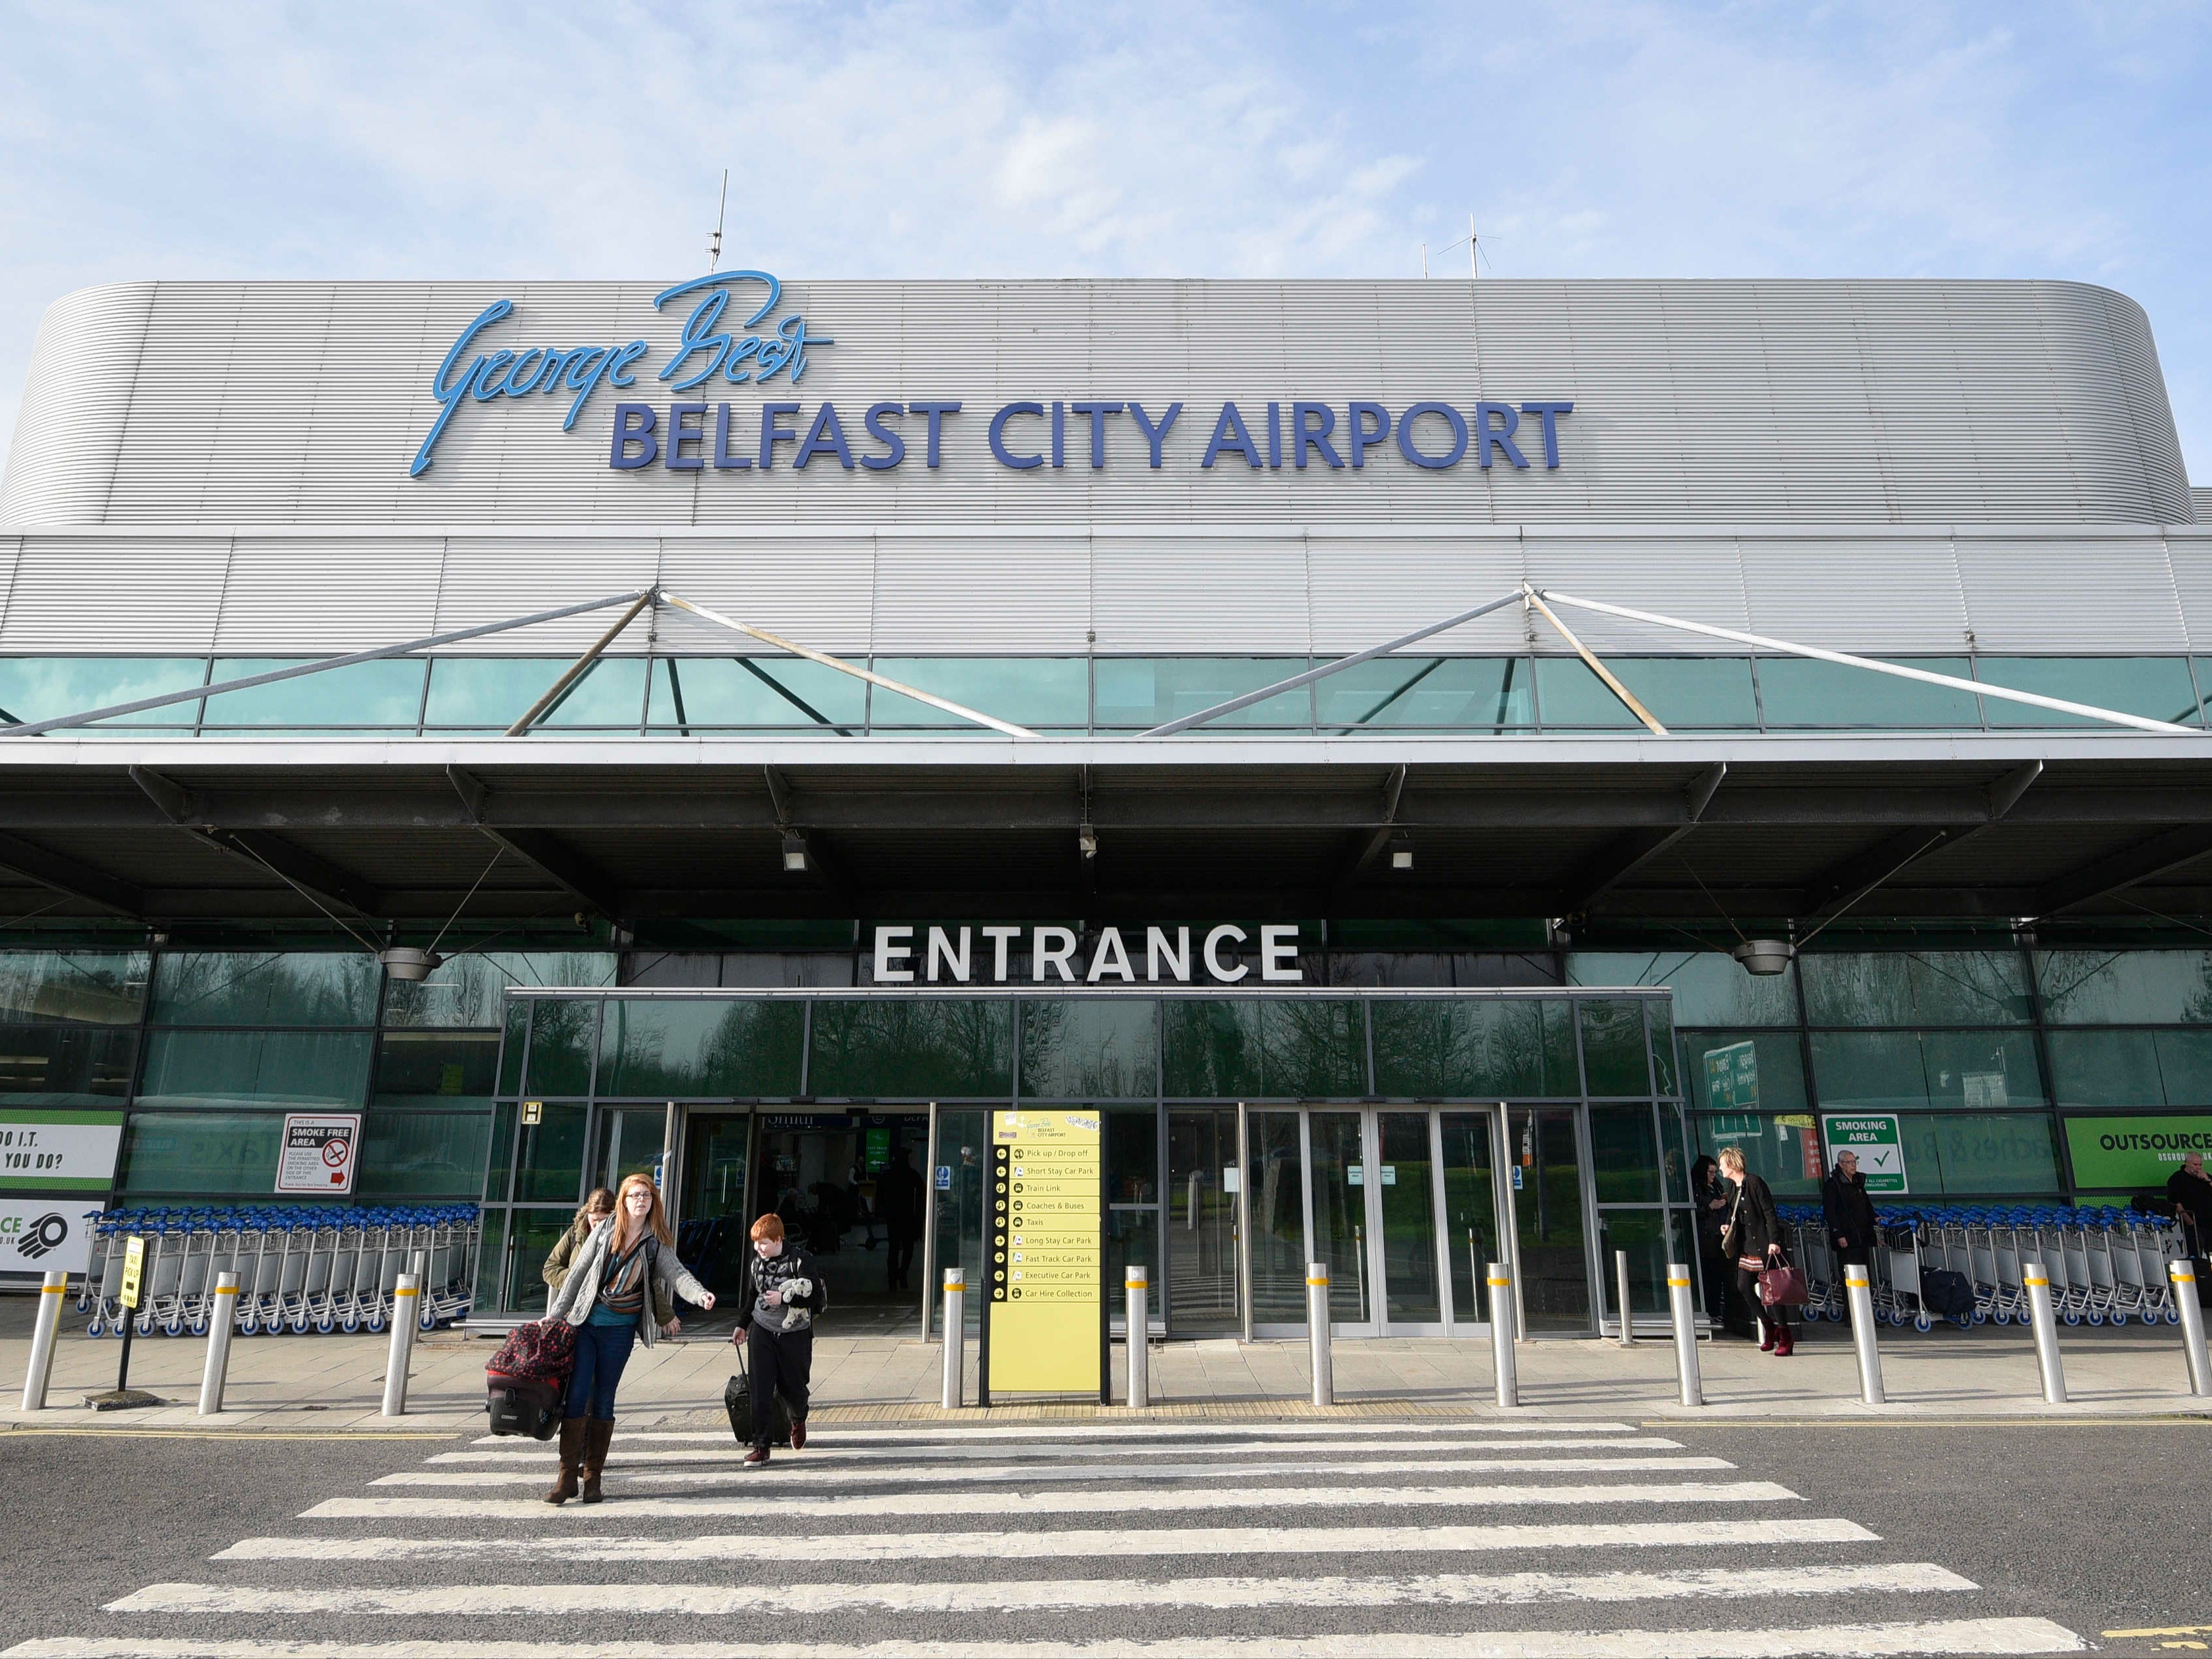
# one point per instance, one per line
(898, 1205)
(2191, 1193)
(1847, 1211)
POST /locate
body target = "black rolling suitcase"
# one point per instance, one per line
(738, 1400)
(527, 1381)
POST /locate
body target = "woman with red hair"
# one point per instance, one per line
(608, 1297)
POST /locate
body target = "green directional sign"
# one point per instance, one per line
(1732, 1078)
(1879, 1142)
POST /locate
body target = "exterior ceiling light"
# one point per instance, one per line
(1086, 840)
(406, 963)
(795, 852)
(1402, 851)
(1764, 957)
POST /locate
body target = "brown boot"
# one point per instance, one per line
(597, 1436)
(572, 1460)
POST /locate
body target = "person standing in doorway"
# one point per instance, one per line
(1754, 1241)
(786, 1294)
(899, 1198)
(1713, 1195)
(1849, 1212)
(608, 1297)
(2191, 1193)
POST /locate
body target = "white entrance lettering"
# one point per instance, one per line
(893, 945)
(1110, 956)
(1001, 938)
(1177, 956)
(940, 949)
(1053, 945)
(1278, 954)
(1214, 965)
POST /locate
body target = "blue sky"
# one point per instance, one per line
(1597, 139)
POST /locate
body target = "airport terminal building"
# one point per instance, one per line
(1359, 738)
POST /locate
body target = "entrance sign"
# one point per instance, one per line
(1044, 1304)
(1878, 1140)
(47, 1151)
(2135, 1152)
(1222, 954)
(319, 1151)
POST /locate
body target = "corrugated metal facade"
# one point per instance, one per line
(1751, 403)
(286, 592)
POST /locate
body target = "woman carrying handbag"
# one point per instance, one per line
(608, 1297)
(1754, 1241)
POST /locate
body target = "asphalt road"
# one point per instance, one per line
(1231, 1539)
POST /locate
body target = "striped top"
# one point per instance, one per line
(621, 1287)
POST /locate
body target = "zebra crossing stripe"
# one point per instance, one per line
(2004, 1637)
(1084, 1543)
(832, 1443)
(1047, 1595)
(809, 1469)
(763, 1502)
(1148, 1432)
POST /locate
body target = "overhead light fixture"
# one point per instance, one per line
(1764, 957)
(408, 964)
(1401, 851)
(1086, 840)
(795, 852)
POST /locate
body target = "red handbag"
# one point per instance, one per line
(1783, 1288)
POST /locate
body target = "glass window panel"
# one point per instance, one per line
(499, 1167)
(1407, 1186)
(1201, 1242)
(66, 1065)
(926, 1048)
(1688, 692)
(487, 692)
(1906, 1071)
(1957, 1154)
(1132, 1137)
(2108, 988)
(467, 990)
(47, 687)
(1547, 1206)
(260, 987)
(1613, 1051)
(1624, 1154)
(423, 1154)
(1079, 1048)
(491, 1260)
(1450, 1047)
(1034, 692)
(1465, 694)
(1798, 691)
(219, 1068)
(82, 987)
(549, 1163)
(1212, 1046)
(702, 1048)
(1661, 1041)
(1148, 691)
(631, 1142)
(1645, 1236)
(1277, 1210)
(1915, 987)
(1313, 1048)
(424, 1067)
(561, 1031)
(1717, 1078)
(1472, 1238)
(1673, 1137)
(1340, 1212)
(2185, 1065)
(200, 1154)
(2159, 688)
(709, 691)
(387, 693)
(512, 1044)
(1711, 988)
(2107, 1068)
(1781, 1149)
(531, 1238)
(963, 1140)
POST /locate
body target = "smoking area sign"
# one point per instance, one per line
(1044, 1303)
(318, 1152)
(1877, 1140)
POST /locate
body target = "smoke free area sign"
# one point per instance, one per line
(318, 1152)
(1876, 1139)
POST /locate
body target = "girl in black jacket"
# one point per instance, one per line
(1755, 1244)
(786, 1293)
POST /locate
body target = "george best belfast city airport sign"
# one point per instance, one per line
(731, 337)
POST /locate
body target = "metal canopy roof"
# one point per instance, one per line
(1979, 827)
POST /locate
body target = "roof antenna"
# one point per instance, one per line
(715, 245)
(1424, 258)
(1473, 250)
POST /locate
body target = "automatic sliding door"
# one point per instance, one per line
(1277, 1182)
(1201, 1222)
(1548, 1202)
(1405, 1187)
(1337, 1155)
(1472, 1241)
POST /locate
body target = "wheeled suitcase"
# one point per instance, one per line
(527, 1380)
(520, 1406)
(738, 1401)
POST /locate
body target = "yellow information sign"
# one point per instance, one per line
(134, 1263)
(1045, 1313)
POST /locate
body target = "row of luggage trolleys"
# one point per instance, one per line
(2104, 1264)
(299, 1268)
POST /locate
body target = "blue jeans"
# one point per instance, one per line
(602, 1350)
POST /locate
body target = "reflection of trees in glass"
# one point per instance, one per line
(2105, 988)
(467, 989)
(239, 987)
(916, 1047)
(1908, 987)
(98, 988)
(1472, 1047)
(1079, 1048)
(1313, 1047)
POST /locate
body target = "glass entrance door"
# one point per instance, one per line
(712, 1231)
(1552, 1243)
(1388, 1200)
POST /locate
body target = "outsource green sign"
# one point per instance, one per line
(2134, 1151)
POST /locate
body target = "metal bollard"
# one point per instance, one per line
(1501, 1334)
(45, 1323)
(405, 1298)
(1686, 1333)
(956, 1337)
(1620, 1289)
(1140, 1382)
(1324, 1376)
(2047, 1335)
(223, 1323)
(1859, 1292)
(2184, 1277)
